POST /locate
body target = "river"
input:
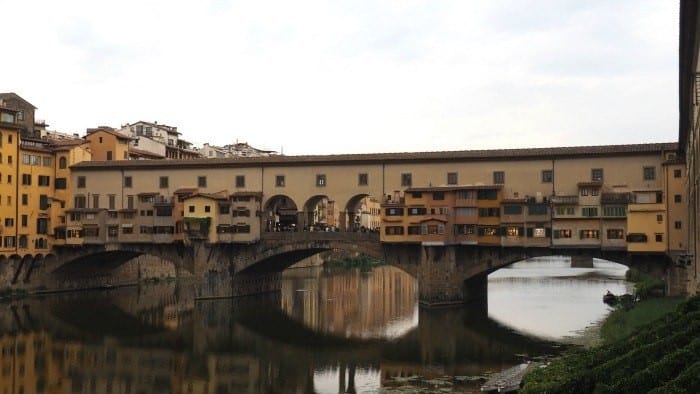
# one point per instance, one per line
(329, 330)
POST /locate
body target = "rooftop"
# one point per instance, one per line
(385, 158)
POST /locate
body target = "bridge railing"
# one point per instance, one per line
(321, 236)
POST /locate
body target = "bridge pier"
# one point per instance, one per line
(441, 277)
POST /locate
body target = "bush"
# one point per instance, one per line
(662, 356)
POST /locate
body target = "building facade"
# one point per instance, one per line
(608, 197)
(689, 133)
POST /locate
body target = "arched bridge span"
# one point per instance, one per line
(445, 273)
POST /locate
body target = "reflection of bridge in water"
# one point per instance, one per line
(230, 343)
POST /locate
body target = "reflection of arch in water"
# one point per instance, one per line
(281, 213)
(362, 213)
(463, 335)
(338, 295)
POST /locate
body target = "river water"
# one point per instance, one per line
(330, 330)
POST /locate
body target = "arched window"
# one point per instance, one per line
(62, 162)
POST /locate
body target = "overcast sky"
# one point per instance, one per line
(352, 76)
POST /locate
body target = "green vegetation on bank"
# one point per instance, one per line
(622, 323)
(353, 262)
(661, 357)
(645, 285)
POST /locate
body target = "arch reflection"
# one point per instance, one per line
(381, 303)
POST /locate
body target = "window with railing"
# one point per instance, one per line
(615, 211)
(589, 234)
(512, 209)
(393, 230)
(589, 211)
(393, 211)
(562, 233)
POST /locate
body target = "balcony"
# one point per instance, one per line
(565, 200)
(615, 198)
(163, 200)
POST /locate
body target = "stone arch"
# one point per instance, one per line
(280, 212)
(361, 213)
(491, 259)
(319, 213)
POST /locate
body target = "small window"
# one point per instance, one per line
(240, 180)
(451, 178)
(659, 218)
(163, 182)
(596, 174)
(659, 237)
(406, 179)
(60, 184)
(499, 177)
(321, 180)
(62, 163)
(677, 198)
(649, 173)
(547, 176)
(678, 224)
(95, 200)
(438, 196)
(362, 179)
(201, 181)
(81, 182)
(112, 201)
(190, 208)
(279, 180)
(127, 181)
(676, 173)
(207, 208)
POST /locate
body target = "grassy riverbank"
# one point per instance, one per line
(354, 262)
(641, 352)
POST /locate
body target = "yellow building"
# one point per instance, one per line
(66, 153)
(220, 218)
(34, 193)
(646, 222)
(9, 150)
(108, 144)
(488, 205)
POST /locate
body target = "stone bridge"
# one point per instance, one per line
(446, 274)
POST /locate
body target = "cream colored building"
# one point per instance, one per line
(569, 197)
